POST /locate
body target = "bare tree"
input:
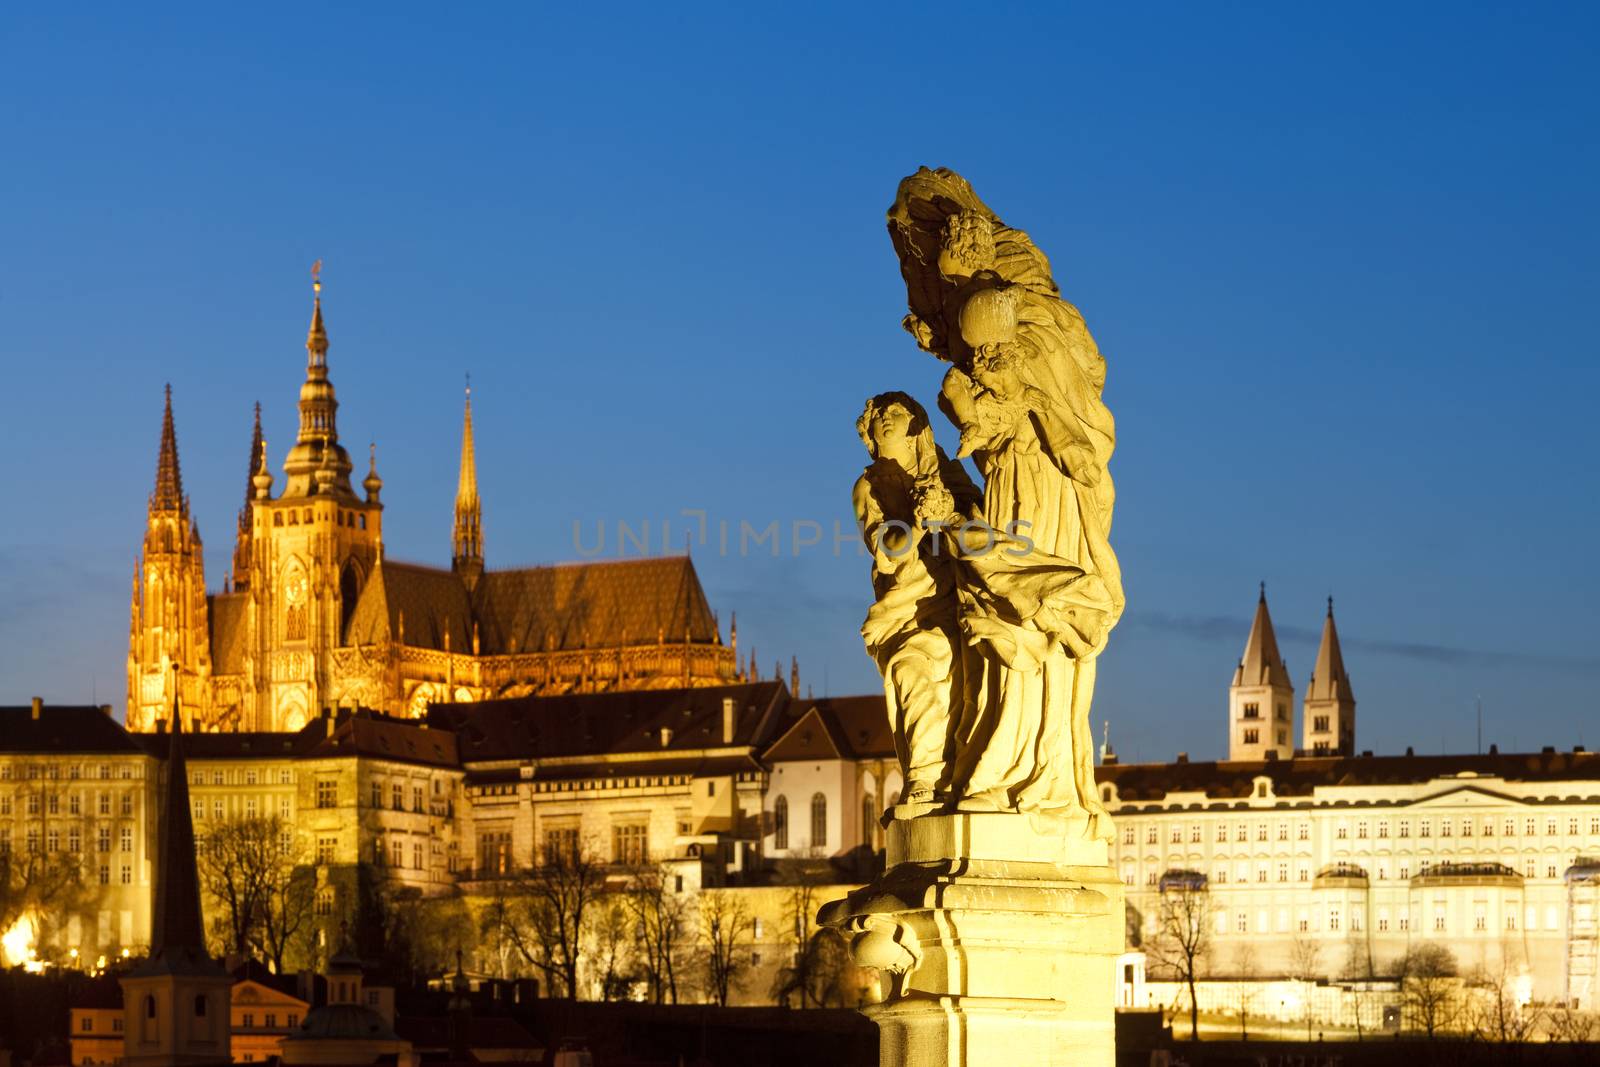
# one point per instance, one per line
(1428, 988)
(1182, 937)
(613, 933)
(544, 913)
(1566, 1023)
(249, 868)
(1497, 1012)
(660, 915)
(1245, 970)
(799, 912)
(1304, 956)
(726, 930)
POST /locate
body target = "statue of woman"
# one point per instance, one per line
(1025, 392)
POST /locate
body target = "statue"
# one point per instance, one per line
(992, 605)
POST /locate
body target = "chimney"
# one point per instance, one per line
(666, 736)
(38, 706)
(106, 709)
(727, 720)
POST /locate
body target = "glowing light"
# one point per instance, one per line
(17, 942)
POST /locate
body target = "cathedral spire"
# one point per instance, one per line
(466, 557)
(168, 495)
(241, 545)
(317, 445)
(1329, 680)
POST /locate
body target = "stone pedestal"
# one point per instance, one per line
(997, 935)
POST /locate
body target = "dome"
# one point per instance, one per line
(343, 1022)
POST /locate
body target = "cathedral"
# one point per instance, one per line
(312, 616)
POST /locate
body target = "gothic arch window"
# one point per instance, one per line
(149, 1006)
(819, 821)
(295, 597)
(780, 823)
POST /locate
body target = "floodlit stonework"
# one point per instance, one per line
(313, 615)
(998, 918)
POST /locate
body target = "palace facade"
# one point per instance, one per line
(1327, 862)
(313, 615)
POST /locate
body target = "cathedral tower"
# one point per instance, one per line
(1261, 698)
(466, 555)
(1330, 712)
(169, 653)
(312, 550)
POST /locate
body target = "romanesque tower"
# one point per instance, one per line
(312, 549)
(1330, 712)
(1261, 698)
(169, 654)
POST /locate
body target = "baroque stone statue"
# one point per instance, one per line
(993, 604)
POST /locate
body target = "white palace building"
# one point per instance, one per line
(1324, 861)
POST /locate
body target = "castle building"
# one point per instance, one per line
(1325, 862)
(314, 616)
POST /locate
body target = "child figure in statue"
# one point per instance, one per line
(908, 503)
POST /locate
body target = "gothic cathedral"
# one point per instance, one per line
(313, 617)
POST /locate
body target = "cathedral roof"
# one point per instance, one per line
(605, 604)
(566, 607)
(649, 723)
(428, 604)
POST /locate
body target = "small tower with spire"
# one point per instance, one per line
(1330, 711)
(168, 624)
(175, 1005)
(1261, 698)
(466, 554)
(242, 539)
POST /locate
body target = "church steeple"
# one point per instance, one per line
(466, 557)
(175, 1004)
(177, 936)
(1261, 698)
(317, 447)
(1330, 710)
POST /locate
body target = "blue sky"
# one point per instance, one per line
(1342, 265)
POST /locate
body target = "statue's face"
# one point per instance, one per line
(990, 372)
(891, 425)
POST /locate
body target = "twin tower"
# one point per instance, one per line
(1261, 698)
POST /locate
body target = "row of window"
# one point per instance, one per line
(1241, 872)
(1366, 829)
(34, 804)
(53, 838)
(249, 807)
(1337, 921)
(52, 771)
(355, 521)
(248, 776)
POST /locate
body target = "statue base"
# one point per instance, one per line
(998, 937)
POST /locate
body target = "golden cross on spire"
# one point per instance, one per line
(316, 276)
